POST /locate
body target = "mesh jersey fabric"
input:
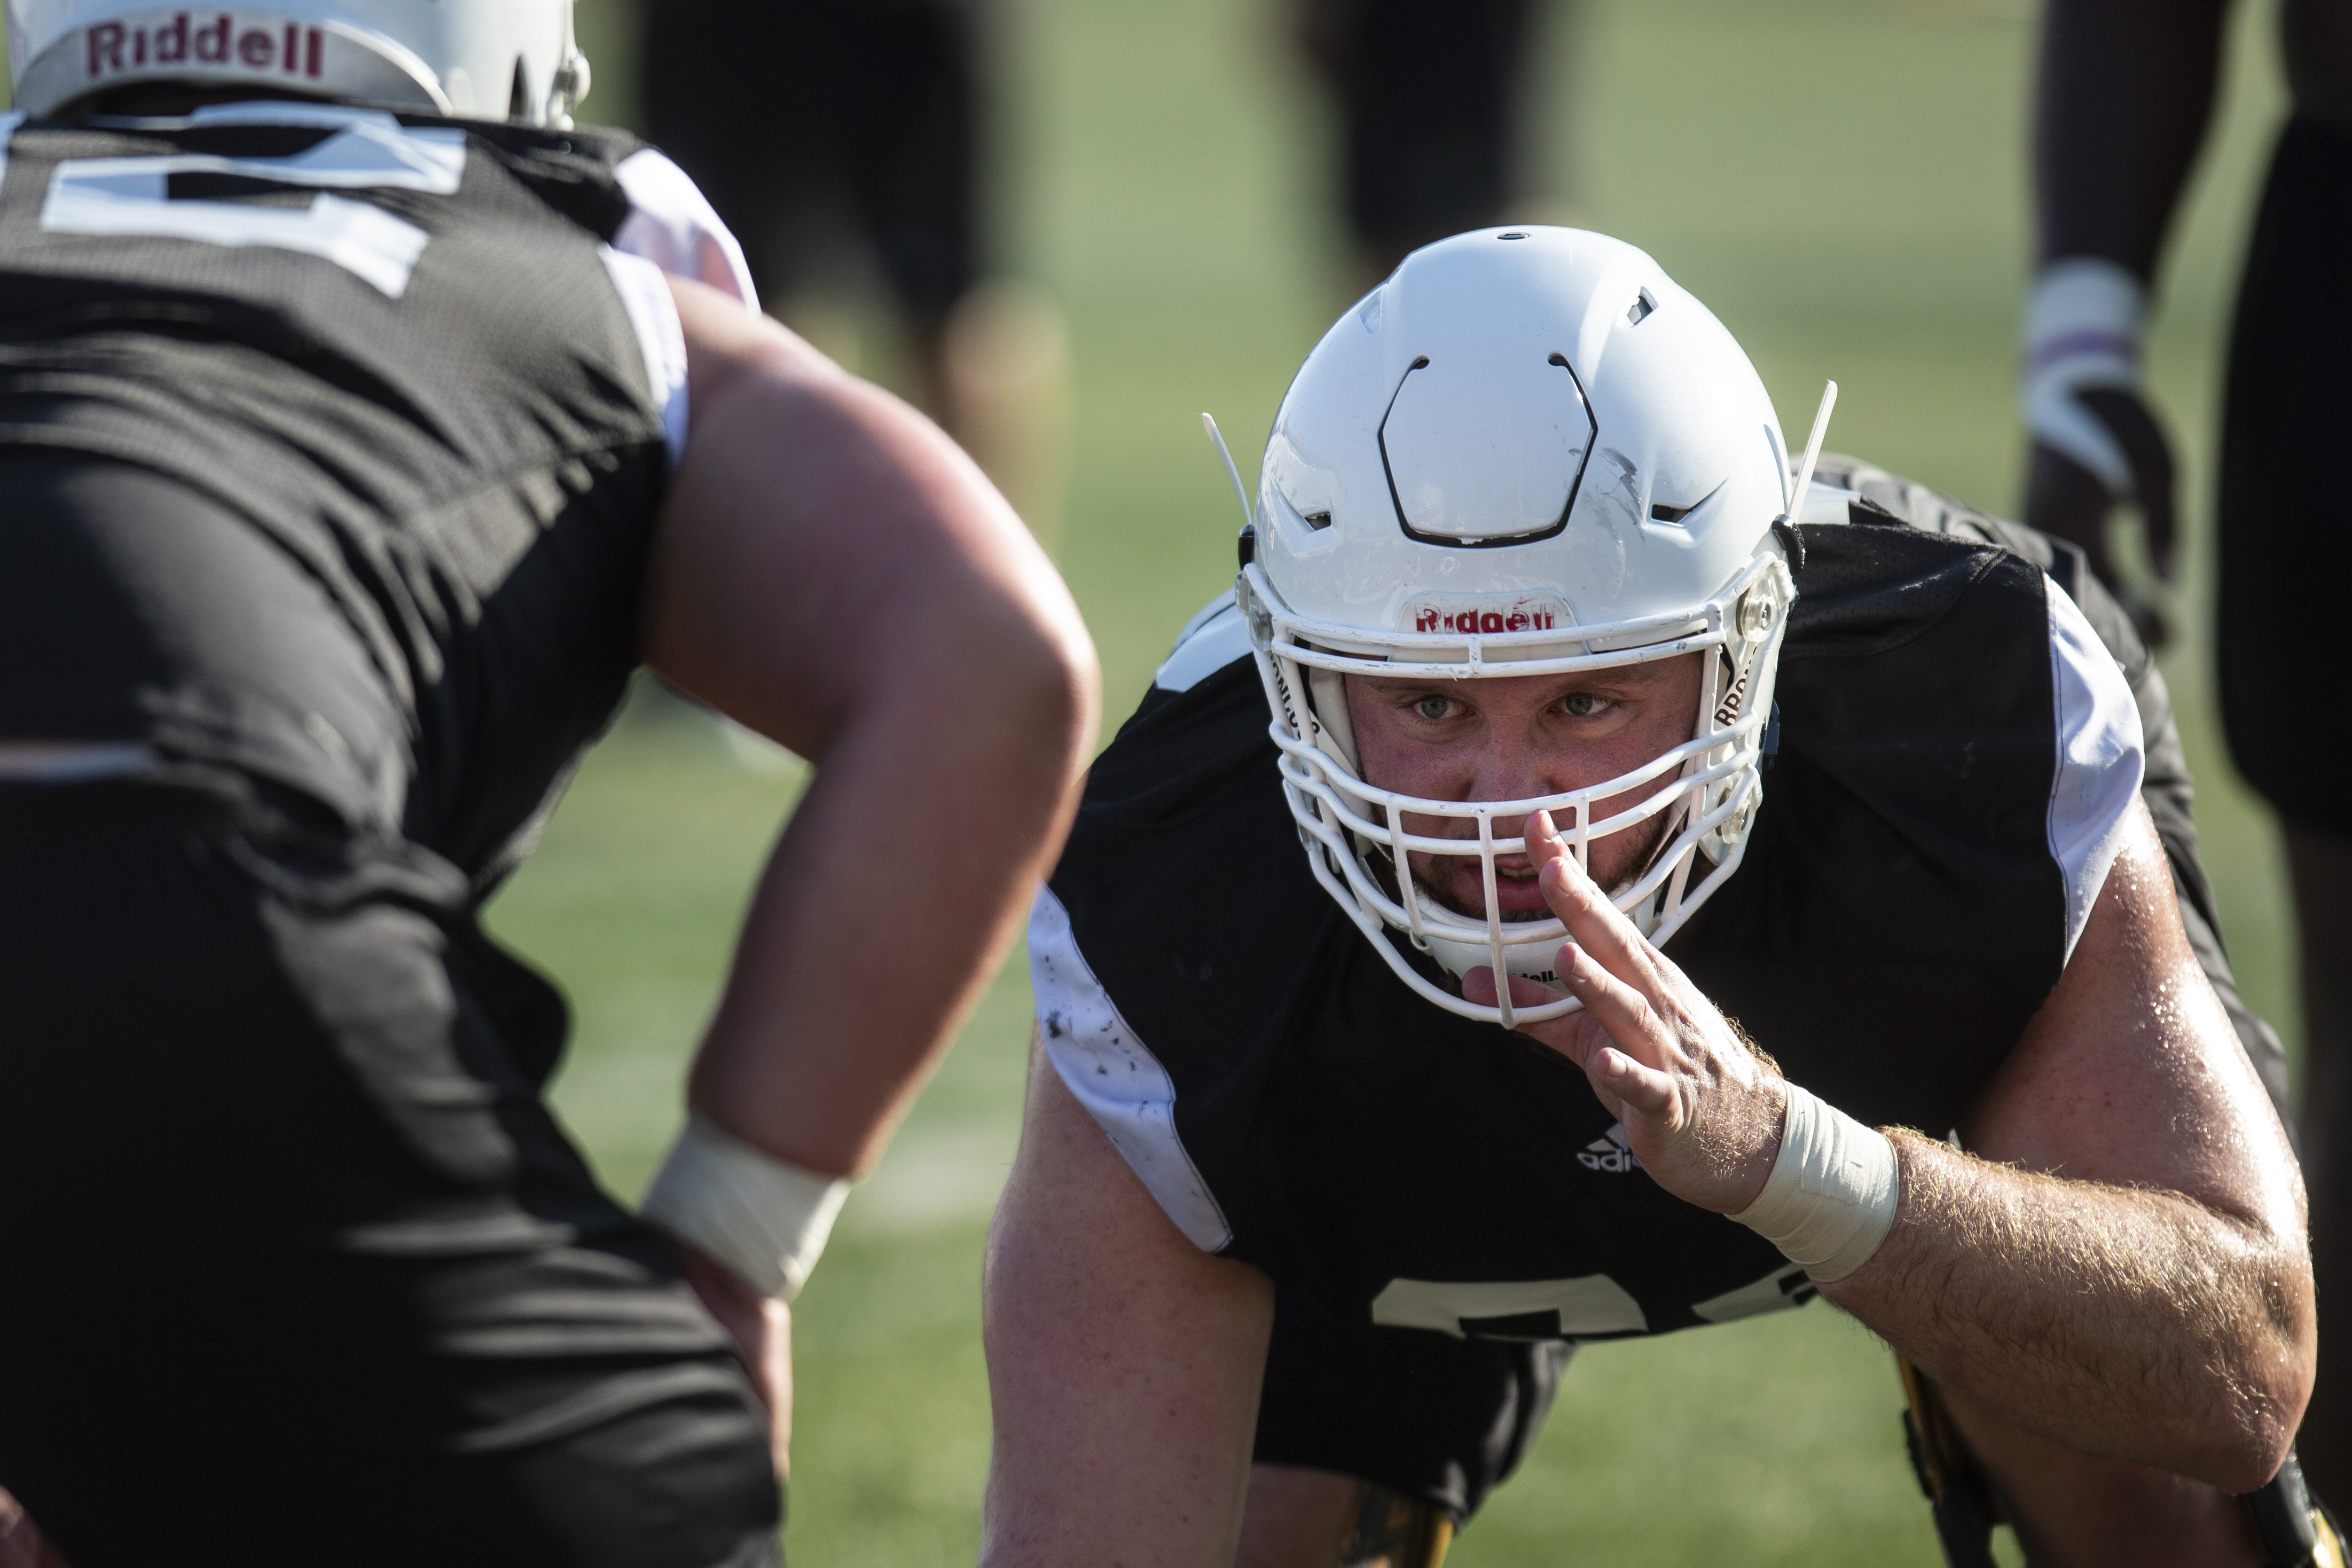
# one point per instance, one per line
(392, 347)
(1899, 917)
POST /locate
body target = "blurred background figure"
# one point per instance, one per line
(2125, 91)
(843, 142)
(1430, 94)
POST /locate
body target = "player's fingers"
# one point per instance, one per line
(1641, 1090)
(2133, 423)
(1598, 926)
(2066, 500)
(1622, 1009)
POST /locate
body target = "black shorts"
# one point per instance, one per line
(299, 1269)
(1419, 1412)
(2286, 518)
(1429, 99)
(815, 126)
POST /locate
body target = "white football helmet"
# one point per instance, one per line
(1526, 452)
(486, 59)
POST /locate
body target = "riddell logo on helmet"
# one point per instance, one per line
(206, 41)
(1492, 616)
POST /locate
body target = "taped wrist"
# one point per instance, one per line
(765, 1218)
(1831, 1198)
(2082, 331)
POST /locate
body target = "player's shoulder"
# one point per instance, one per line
(1936, 669)
(1200, 733)
(1887, 562)
(575, 170)
(409, 158)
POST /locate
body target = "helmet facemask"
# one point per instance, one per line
(1707, 789)
(1527, 453)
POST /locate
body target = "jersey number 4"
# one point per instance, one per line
(175, 196)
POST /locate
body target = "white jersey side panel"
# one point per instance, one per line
(1113, 1075)
(2101, 757)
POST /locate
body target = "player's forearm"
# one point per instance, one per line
(2124, 92)
(888, 902)
(2129, 1322)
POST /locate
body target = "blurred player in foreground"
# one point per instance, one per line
(2127, 92)
(362, 426)
(837, 136)
(1557, 645)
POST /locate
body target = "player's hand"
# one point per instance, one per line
(22, 1544)
(1701, 1110)
(761, 1328)
(2064, 498)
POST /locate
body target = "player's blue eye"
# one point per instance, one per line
(1580, 704)
(1432, 706)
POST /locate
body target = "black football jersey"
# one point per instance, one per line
(398, 348)
(1947, 742)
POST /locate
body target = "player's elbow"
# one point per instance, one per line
(1049, 680)
(2244, 1447)
(2259, 1400)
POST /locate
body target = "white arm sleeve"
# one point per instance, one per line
(2101, 756)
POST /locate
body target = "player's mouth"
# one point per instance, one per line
(1455, 883)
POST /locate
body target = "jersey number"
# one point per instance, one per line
(120, 196)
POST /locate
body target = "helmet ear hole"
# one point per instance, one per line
(519, 100)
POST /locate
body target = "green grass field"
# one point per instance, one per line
(1843, 180)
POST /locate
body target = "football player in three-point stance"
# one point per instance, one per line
(362, 426)
(1575, 679)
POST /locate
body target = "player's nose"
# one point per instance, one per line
(1509, 768)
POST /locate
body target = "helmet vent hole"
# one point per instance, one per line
(1421, 362)
(1558, 359)
(518, 99)
(1318, 521)
(1661, 512)
(1639, 310)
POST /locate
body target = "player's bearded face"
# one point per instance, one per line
(1513, 738)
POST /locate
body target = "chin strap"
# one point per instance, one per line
(2291, 1528)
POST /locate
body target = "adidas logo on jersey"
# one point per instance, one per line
(1609, 1153)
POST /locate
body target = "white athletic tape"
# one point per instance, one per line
(2082, 331)
(1830, 1200)
(765, 1218)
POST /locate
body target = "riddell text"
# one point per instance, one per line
(1483, 621)
(216, 40)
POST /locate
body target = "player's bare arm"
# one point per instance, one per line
(1123, 1363)
(834, 574)
(2120, 1265)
